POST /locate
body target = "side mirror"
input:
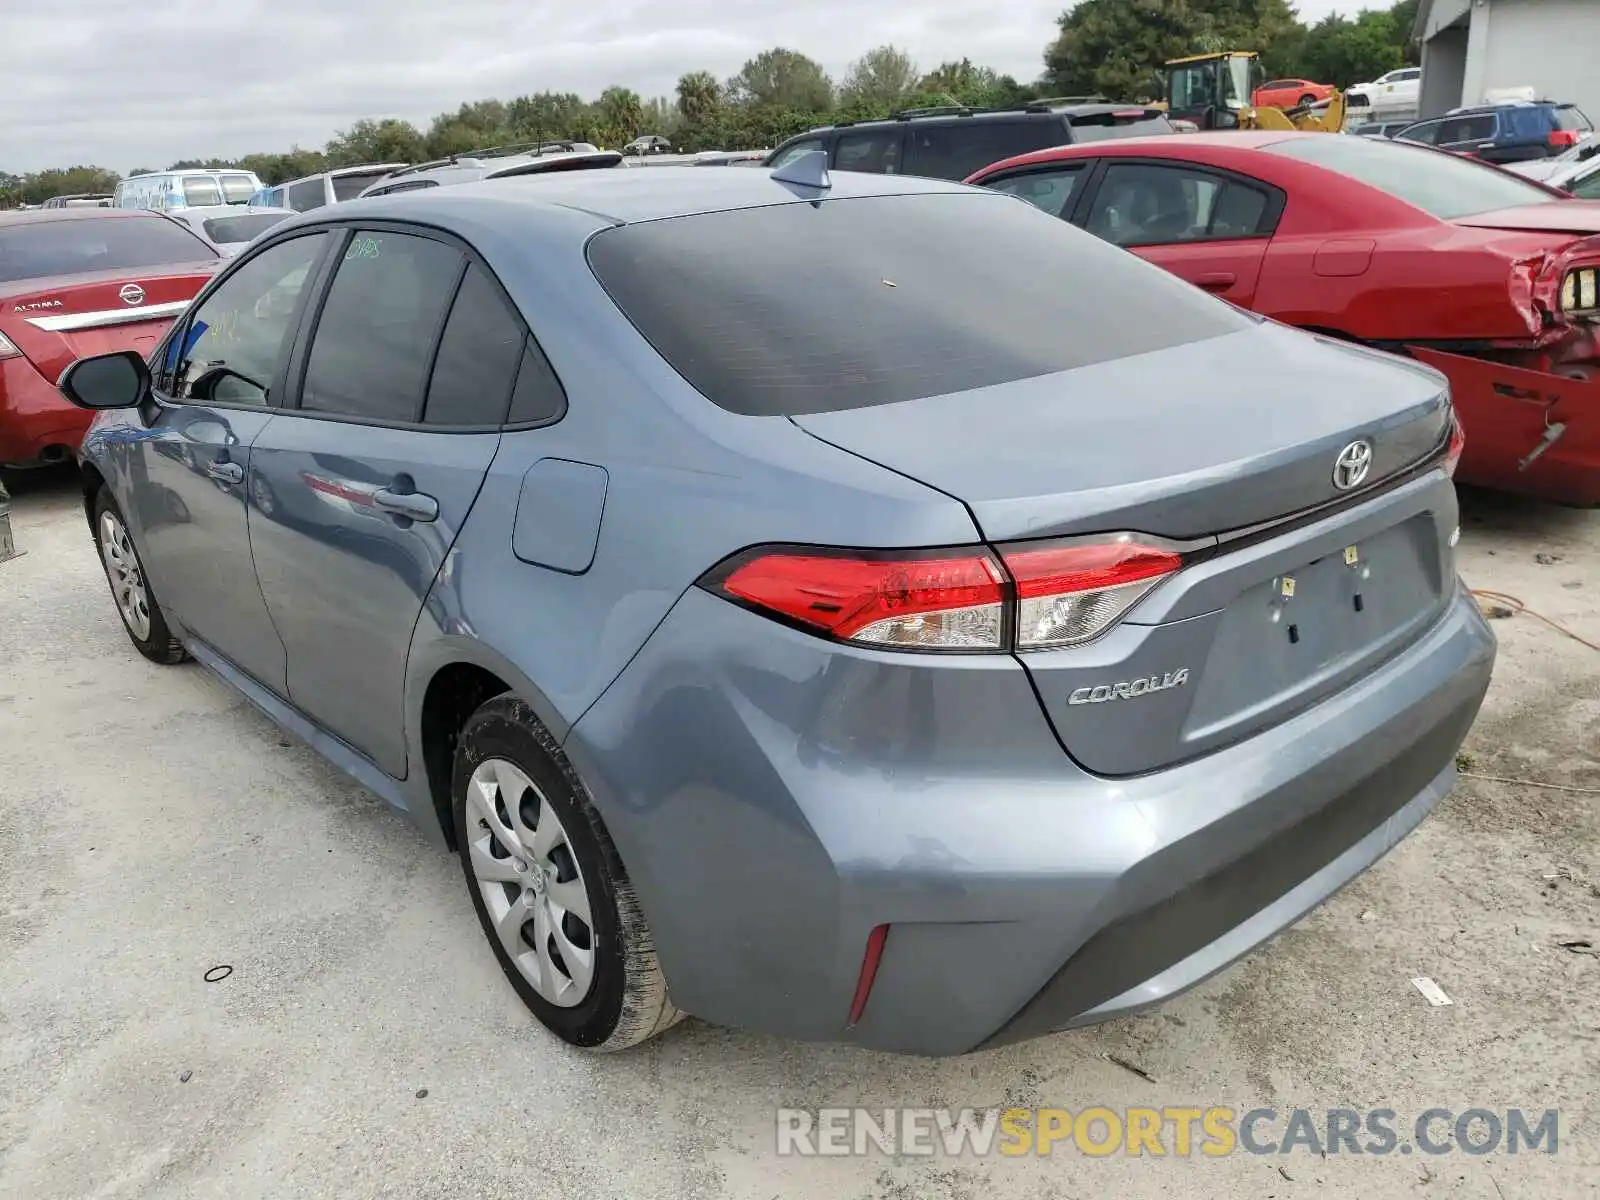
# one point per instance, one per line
(120, 380)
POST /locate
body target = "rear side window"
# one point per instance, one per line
(795, 149)
(1136, 122)
(538, 395)
(876, 151)
(957, 149)
(199, 190)
(1427, 134)
(113, 244)
(306, 195)
(1478, 128)
(478, 357)
(1140, 204)
(802, 308)
(378, 326)
(348, 187)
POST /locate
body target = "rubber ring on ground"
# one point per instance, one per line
(218, 973)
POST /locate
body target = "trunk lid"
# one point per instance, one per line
(1185, 442)
(58, 319)
(1559, 216)
(1201, 443)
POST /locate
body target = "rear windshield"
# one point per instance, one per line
(237, 189)
(1445, 185)
(1097, 127)
(200, 190)
(801, 308)
(1569, 116)
(72, 247)
(227, 230)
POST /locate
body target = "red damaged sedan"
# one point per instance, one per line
(1489, 277)
(75, 282)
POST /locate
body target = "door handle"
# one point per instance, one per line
(414, 506)
(226, 472)
(1217, 281)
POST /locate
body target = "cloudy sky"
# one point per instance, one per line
(125, 83)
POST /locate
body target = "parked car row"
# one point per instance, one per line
(845, 606)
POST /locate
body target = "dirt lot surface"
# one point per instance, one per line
(153, 825)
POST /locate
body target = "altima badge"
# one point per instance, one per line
(1130, 689)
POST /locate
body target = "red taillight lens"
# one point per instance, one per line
(929, 600)
(1070, 593)
(1563, 137)
(1458, 444)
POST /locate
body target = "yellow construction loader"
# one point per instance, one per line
(1215, 90)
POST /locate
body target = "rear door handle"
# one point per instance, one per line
(1217, 281)
(414, 506)
(227, 472)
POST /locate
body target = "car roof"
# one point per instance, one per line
(956, 114)
(468, 170)
(623, 197)
(37, 216)
(206, 212)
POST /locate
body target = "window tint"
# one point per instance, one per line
(478, 357)
(1141, 204)
(877, 151)
(348, 187)
(956, 150)
(1478, 128)
(1445, 185)
(242, 228)
(199, 190)
(113, 244)
(895, 322)
(1135, 122)
(244, 324)
(1050, 191)
(307, 194)
(1412, 73)
(374, 339)
(237, 189)
(538, 395)
(1427, 134)
(792, 152)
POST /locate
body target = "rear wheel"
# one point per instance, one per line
(130, 590)
(1308, 98)
(549, 888)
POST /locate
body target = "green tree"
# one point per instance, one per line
(547, 116)
(369, 141)
(39, 186)
(699, 96)
(780, 78)
(1341, 51)
(619, 114)
(881, 79)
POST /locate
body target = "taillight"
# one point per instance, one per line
(1072, 592)
(1458, 444)
(1563, 137)
(8, 348)
(924, 600)
(1044, 595)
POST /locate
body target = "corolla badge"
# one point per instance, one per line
(1130, 689)
(1352, 465)
(131, 293)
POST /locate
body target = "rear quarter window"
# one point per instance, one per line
(802, 308)
(199, 191)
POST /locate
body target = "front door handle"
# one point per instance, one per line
(226, 472)
(1217, 281)
(414, 506)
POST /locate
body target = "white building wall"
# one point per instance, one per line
(1552, 46)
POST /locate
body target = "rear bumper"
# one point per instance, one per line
(775, 798)
(1528, 432)
(34, 416)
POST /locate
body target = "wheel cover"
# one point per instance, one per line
(528, 876)
(126, 576)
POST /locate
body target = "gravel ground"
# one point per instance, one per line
(153, 825)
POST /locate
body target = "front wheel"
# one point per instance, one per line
(1308, 98)
(549, 889)
(130, 590)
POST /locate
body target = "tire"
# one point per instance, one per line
(130, 590)
(1308, 98)
(611, 994)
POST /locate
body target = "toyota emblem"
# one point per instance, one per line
(1352, 465)
(131, 293)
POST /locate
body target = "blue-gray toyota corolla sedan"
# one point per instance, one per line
(864, 609)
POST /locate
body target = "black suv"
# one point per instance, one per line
(953, 142)
(1505, 133)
